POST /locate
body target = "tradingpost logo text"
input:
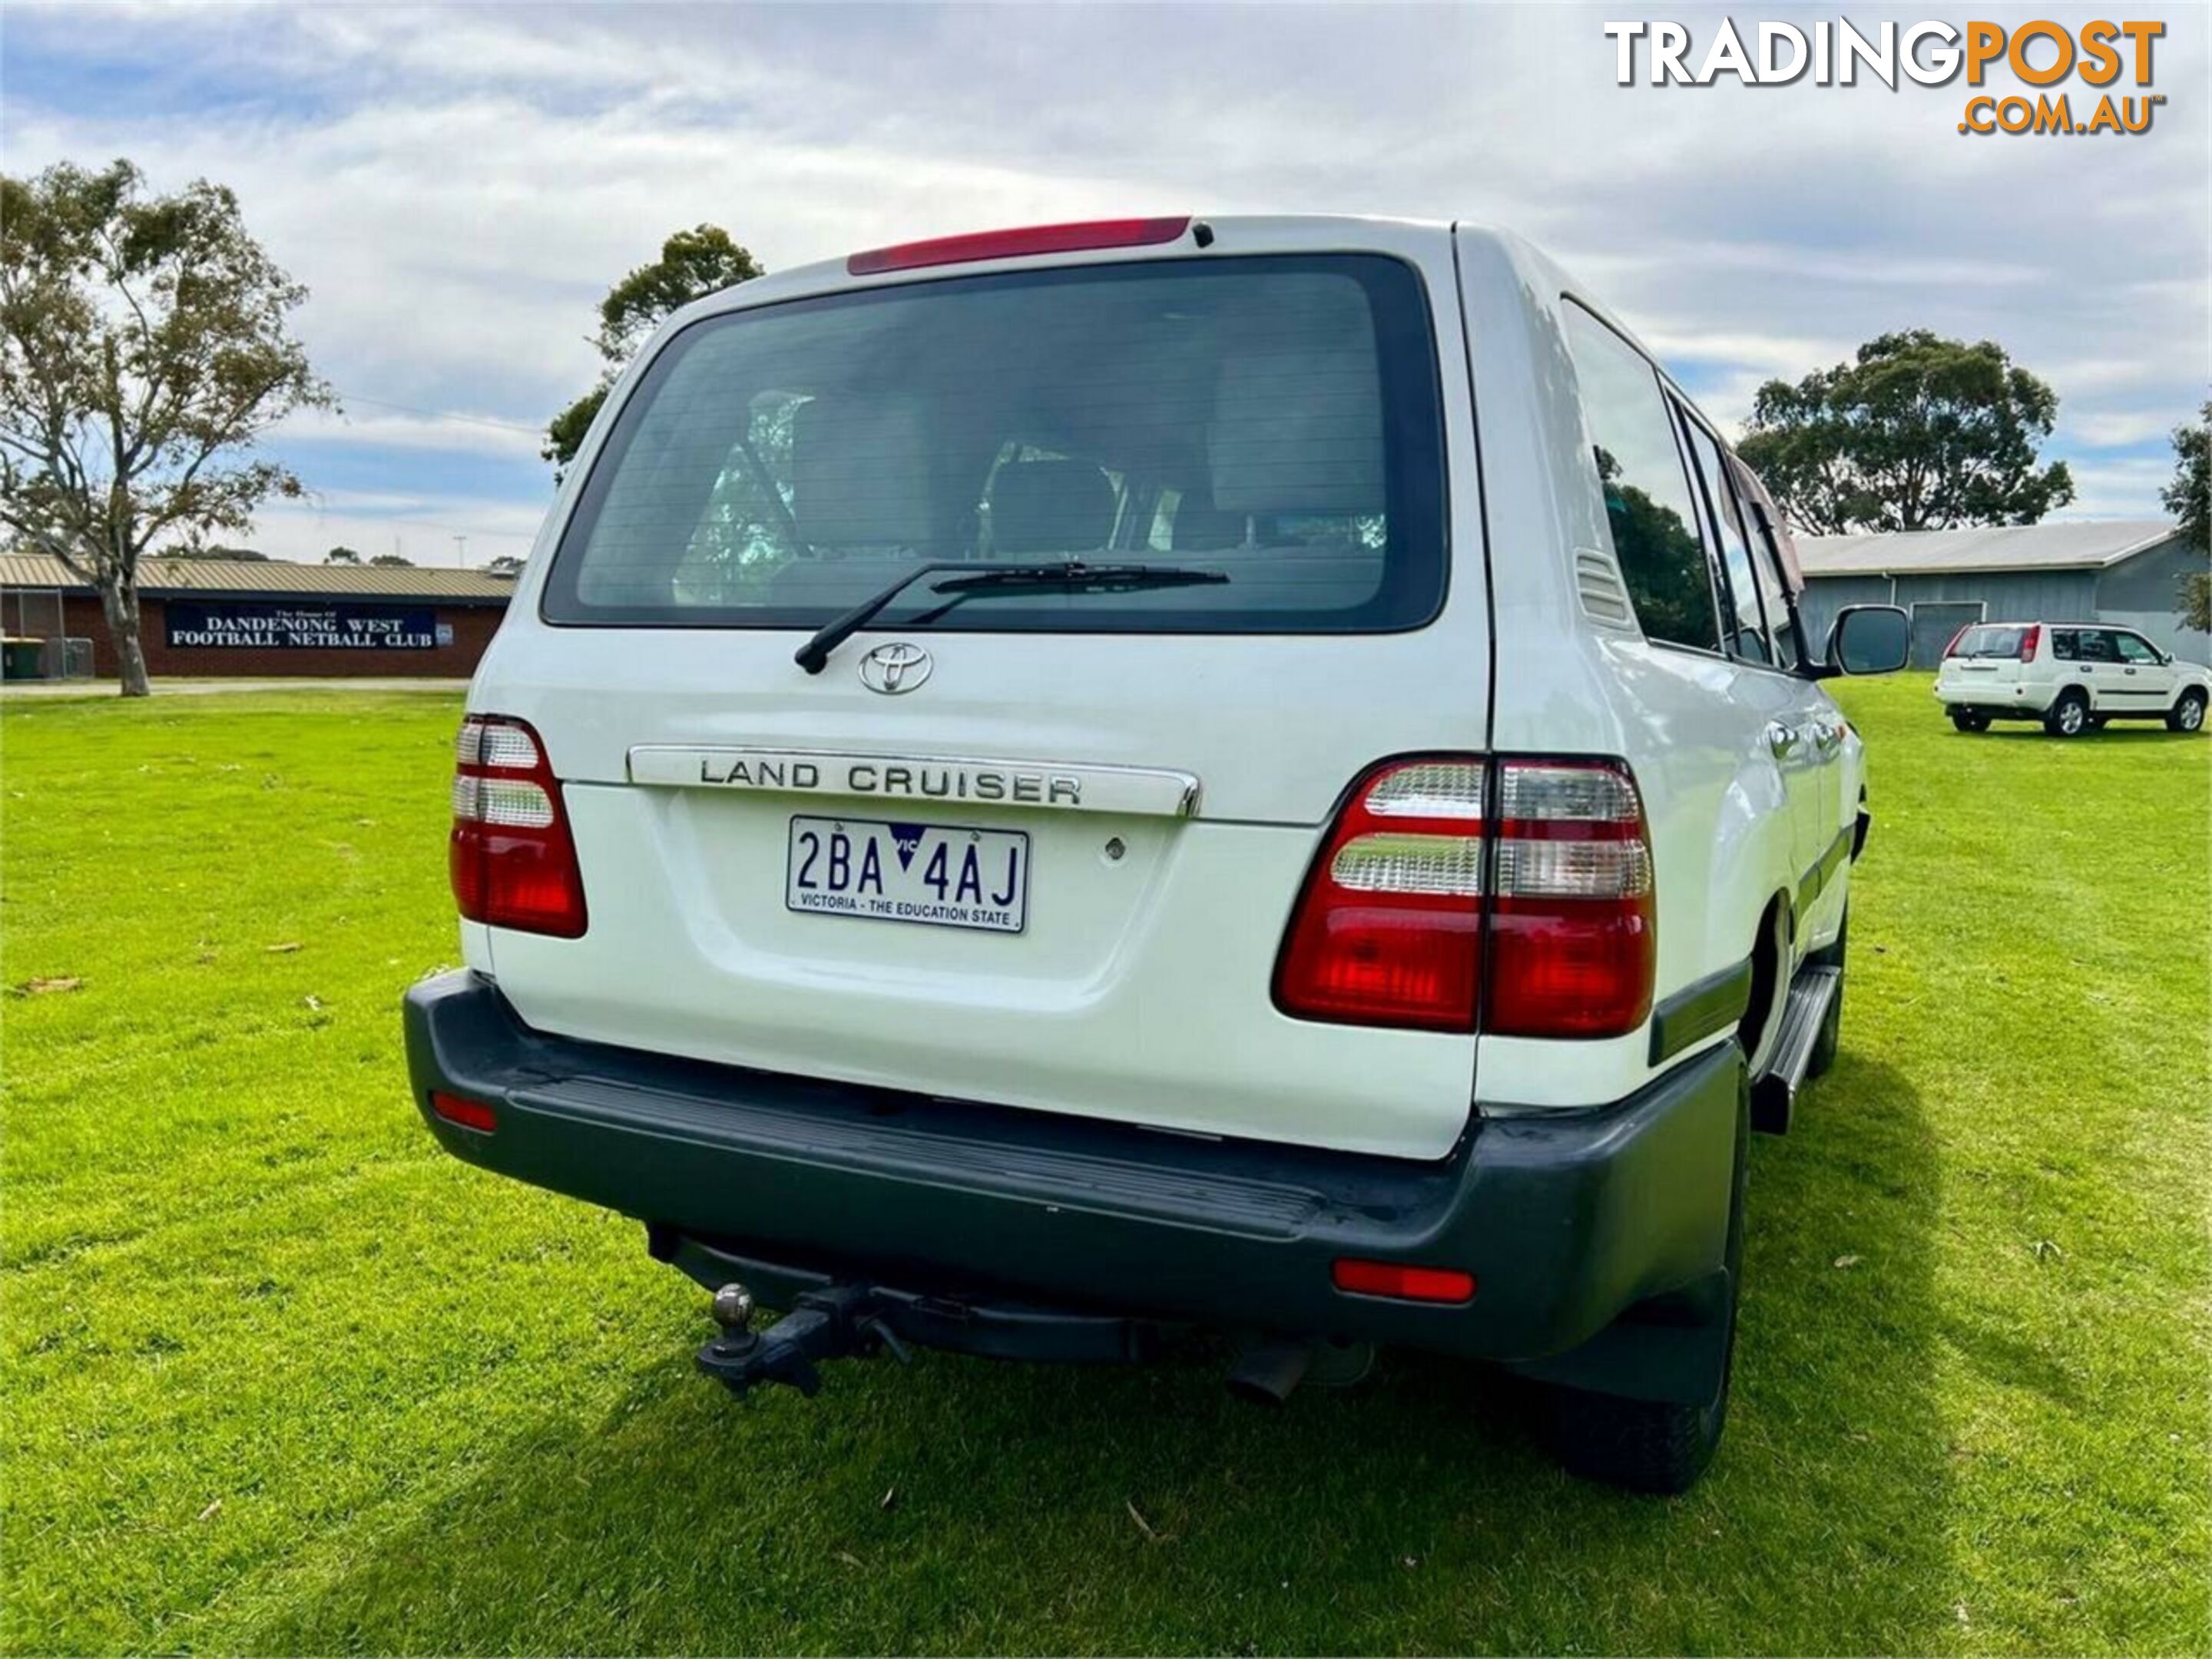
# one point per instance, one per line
(2105, 58)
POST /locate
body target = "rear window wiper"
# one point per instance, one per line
(1061, 575)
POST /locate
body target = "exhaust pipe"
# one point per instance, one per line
(1269, 1373)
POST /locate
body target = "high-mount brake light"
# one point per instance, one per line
(1421, 897)
(2030, 637)
(512, 858)
(1076, 238)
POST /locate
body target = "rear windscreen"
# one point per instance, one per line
(1272, 419)
(1987, 642)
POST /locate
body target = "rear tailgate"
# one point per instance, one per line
(1140, 778)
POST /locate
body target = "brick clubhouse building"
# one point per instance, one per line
(257, 617)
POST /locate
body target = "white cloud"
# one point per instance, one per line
(459, 185)
(421, 528)
(2118, 489)
(2116, 429)
(456, 433)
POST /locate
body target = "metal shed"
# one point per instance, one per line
(2123, 571)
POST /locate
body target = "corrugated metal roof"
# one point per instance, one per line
(159, 577)
(2073, 545)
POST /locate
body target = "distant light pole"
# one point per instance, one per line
(461, 544)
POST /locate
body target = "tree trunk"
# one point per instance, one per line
(119, 597)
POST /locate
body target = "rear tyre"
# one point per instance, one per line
(2069, 716)
(2188, 715)
(1966, 720)
(1652, 1446)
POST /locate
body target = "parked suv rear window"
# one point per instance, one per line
(1987, 642)
(1275, 419)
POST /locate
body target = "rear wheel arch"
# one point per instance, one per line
(1769, 978)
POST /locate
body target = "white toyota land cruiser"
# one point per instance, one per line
(1044, 789)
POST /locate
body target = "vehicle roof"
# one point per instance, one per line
(1316, 232)
(832, 272)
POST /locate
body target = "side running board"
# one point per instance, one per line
(1774, 1096)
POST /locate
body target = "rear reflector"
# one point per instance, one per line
(1405, 1284)
(1015, 244)
(510, 857)
(1416, 901)
(468, 1114)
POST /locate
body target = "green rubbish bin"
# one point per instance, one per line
(21, 659)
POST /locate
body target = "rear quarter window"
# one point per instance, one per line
(1274, 418)
(1649, 507)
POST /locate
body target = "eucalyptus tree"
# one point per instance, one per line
(145, 347)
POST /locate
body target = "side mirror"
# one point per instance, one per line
(1869, 638)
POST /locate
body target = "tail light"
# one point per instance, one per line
(1389, 930)
(2030, 637)
(1955, 638)
(1420, 897)
(1572, 946)
(512, 861)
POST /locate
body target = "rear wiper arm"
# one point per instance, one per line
(1065, 575)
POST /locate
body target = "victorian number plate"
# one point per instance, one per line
(939, 875)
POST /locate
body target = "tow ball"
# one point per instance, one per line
(844, 1320)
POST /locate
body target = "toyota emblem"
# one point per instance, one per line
(892, 669)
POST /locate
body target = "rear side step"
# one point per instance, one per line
(1774, 1096)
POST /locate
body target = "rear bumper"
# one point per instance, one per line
(1983, 697)
(1565, 1221)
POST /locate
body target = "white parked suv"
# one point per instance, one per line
(1045, 790)
(2070, 676)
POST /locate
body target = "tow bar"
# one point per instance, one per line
(826, 1324)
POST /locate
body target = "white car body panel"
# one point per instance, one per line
(1141, 990)
(2145, 685)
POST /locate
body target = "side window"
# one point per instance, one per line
(1745, 630)
(1648, 506)
(2065, 644)
(2097, 646)
(1766, 567)
(2133, 649)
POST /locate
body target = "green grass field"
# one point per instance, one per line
(280, 1376)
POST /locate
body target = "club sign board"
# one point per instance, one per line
(264, 625)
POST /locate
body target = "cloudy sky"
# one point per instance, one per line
(458, 187)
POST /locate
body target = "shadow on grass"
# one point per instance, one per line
(968, 1505)
(2143, 734)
